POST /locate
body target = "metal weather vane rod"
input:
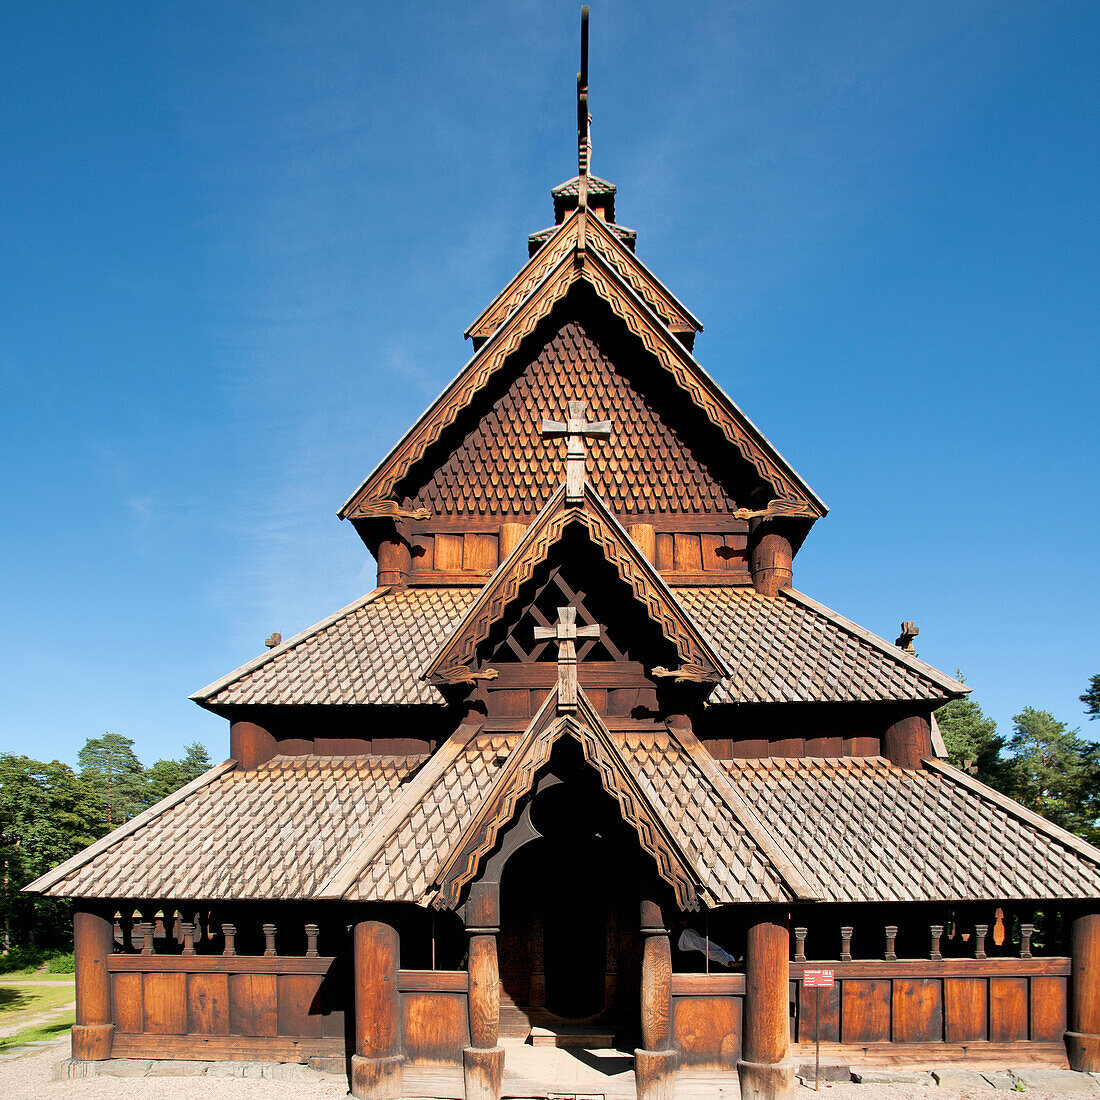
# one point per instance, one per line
(584, 138)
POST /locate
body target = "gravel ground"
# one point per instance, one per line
(28, 1078)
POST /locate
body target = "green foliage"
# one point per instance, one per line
(972, 741)
(1055, 772)
(1091, 698)
(49, 812)
(109, 766)
(62, 962)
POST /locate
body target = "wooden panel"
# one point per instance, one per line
(1007, 1009)
(711, 544)
(217, 1048)
(965, 1002)
(994, 1055)
(435, 1026)
(917, 1010)
(479, 553)
(165, 1000)
(299, 1011)
(448, 553)
(423, 553)
(941, 968)
(1048, 1009)
(707, 1030)
(865, 1011)
(663, 544)
(126, 999)
(686, 553)
(708, 985)
(433, 981)
(830, 1013)
(510, 703)
(208, 1004)
(221, 964)
(252, 1004)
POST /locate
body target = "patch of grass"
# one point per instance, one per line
(20, 1002)
(55, 1029)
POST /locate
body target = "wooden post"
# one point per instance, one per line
(655, 1063)
(394, 560)
(483, 1059)
(908, 741)
(93, 1033)
(510, 534)
(646, 539)
(1083, 1037)
(376, 1063)
(250, 745)
(765, 1071)
(770, 556)
(537, 992)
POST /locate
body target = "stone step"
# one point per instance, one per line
(589, 1038)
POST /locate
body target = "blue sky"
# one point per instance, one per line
(242, 241)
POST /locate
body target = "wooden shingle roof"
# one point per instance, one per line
(843, 830)
(785, 648)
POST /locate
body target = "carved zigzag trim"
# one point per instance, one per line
(616, 778)
(460, 649)
(649, 330)
(646, 285)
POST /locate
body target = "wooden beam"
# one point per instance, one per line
(908, 741)
(655, 1064)
(483, 1059)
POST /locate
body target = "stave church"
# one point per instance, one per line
(575, 799)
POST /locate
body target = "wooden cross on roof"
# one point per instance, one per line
(576, 429)
(566, 633)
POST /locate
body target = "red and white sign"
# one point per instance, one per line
(817, 979)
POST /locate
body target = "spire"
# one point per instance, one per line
(584, 140)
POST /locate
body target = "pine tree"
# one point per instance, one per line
(972, 741)
(109, 765)
(1056, 772)
(196, 760)
(1091, 698)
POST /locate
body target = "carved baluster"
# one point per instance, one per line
(269, 941)
(891, 939)
(229, 932)
(846, 943)
(311, 941)
(1026, 932)
(800, 944)
(118, 937)
(188, 931)
(980, 932)
(146, 928)
(937, 933)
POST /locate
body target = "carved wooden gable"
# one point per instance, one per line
(661, 458)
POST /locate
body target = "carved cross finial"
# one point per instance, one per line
(905, 639)
(576, 429)
(566, 633)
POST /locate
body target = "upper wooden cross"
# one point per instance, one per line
(566, 633)
(576, 429)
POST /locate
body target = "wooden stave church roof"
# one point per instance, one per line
(284, 830)
(782, 649)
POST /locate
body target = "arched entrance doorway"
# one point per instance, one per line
(570, 949)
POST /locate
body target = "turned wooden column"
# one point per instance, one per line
(536, 994)
(483, 1059)
(394, 560)
(376, 1063)
(764, 1069)
(908, 741)
(655, 1063)
(1083, 1036)
(771, 556)
(93, 1033)
(250, 745)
